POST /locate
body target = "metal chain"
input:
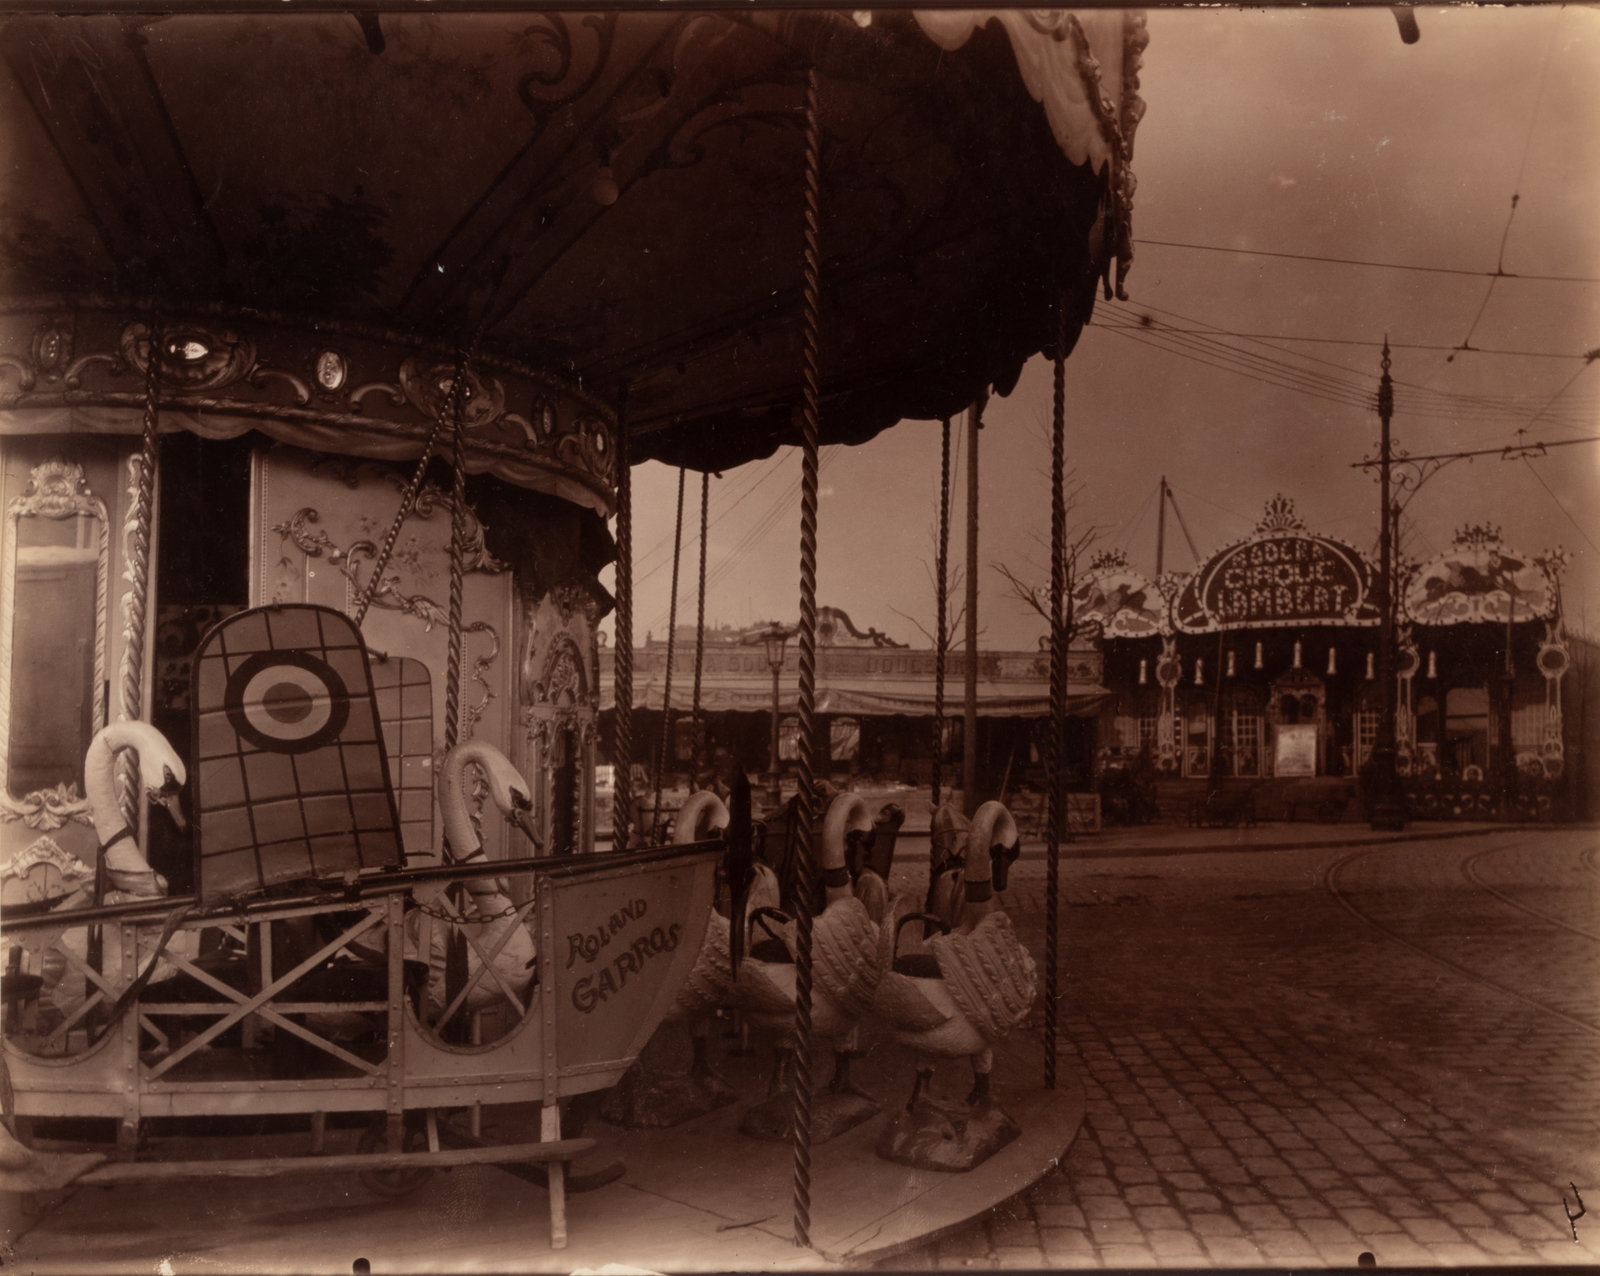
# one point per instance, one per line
(457, 918)
(672, 650)
(622, 664)
(942, 636)
(458, 508)
(448, 410)
(136, 602)
(1054, 797)
(806, 803)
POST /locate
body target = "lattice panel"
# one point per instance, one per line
(404, 694)
(291, 776)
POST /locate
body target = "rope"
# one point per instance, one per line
(622, 673)
(805, 805)
(135, 603)
(458, 508)
(942, 638)
(1054, 814)
(700, 627)
(672, 644)
(449, 410)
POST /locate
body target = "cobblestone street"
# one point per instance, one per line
(1295, 1057)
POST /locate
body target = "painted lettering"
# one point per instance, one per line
(587, 944)
(592, 990)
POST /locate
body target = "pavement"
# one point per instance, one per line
(1302, 1044)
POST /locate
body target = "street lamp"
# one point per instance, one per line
(774, 638)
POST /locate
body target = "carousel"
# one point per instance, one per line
(329, 342)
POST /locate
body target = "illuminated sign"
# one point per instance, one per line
(1282, 579)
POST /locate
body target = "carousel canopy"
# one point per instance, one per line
(579, 202)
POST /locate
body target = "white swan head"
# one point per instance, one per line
(161, 771)
(992, 843)
(702, 810)
(507, 790)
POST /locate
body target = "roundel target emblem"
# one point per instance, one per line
(287, 702)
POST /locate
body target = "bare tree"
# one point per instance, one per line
(954, 602)
(1080, 539)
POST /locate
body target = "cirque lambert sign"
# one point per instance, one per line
(1283, 578)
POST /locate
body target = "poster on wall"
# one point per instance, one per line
(1296, 749)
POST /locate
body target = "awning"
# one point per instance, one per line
(878, 697)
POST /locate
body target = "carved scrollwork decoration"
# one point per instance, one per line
(47, 809)
(561, 72)
(193, 359)
(562, 683)
(480, 674)
(48, 852)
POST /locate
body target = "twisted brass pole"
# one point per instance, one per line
(1055, 799)
(805, 806)
(136, 602)
(942, 636)
(622, 664)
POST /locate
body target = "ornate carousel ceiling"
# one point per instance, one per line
(609, 199)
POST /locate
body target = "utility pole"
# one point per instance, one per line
(1387, 811)
(1161, 526)
(969, 719)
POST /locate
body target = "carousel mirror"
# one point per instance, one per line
(54, 577)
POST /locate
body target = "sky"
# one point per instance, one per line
(1313, 133)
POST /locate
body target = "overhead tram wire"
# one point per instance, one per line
(765, 524)
(1223, 357)
(1558, 504)
(1458, 406)
(760, 473)
(1124, 534)
(1357, 341)
(1516, 197)
(1374, 265)
(1141, 316)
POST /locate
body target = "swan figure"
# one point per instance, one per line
(128, 873)
(976, 982)
(849, 950)
(492, 914)
(161, 775)
(947, 843)
(711, 985)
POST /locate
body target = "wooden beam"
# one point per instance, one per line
(89, 83)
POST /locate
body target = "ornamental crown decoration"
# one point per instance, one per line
(1554, 561)
(1109, 560)
(1279, 516)
(1477, 536)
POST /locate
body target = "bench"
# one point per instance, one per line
(1225, 808)
(1325, 802)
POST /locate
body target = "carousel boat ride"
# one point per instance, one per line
(316, 433)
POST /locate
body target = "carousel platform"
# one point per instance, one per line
(694, 1197)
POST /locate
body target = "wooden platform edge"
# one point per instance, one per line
(1049, 1151)
(354, 1162)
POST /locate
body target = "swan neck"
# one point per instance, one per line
(100, 787)
(461, 837)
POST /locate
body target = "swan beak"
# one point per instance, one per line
(522, 817)
(168, 798)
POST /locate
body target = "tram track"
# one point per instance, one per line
(1469, 871)
(1332, 884)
